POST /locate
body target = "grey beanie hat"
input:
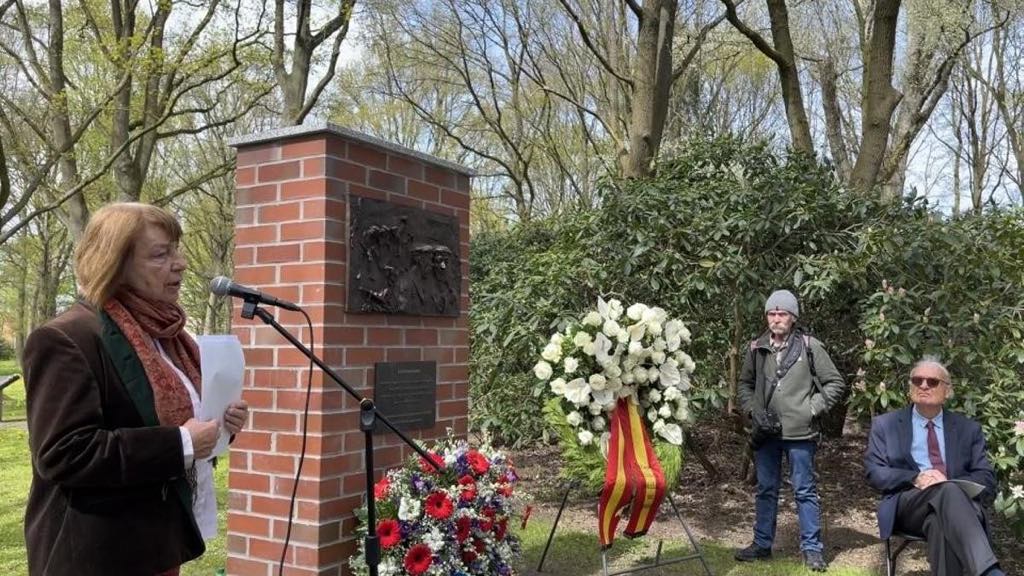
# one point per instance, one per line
(783, 300)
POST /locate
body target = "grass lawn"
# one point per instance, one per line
(572, 553)
(13, 395)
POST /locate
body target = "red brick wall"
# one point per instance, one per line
(291, 233)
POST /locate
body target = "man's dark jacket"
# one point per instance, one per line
(891, 469)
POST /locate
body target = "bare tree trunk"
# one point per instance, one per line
(294, 82)
(652, 81)
(879, 97)
(833, 118)
(75, 212)
(781, 52)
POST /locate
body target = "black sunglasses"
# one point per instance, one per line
(925, 382)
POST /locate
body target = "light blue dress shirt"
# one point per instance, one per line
(919, 444)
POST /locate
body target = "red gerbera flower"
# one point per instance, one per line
(467, 480)
(478, 462)
(468, 494)
(380, 489)
(485, 525)
(388, 532)
(427, 468)
(500, 529)
(439, 505)
(468, 556)
(462, 526)
(418, 559)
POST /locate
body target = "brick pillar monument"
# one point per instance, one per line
(297, 190)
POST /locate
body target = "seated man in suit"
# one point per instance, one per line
(914, 448)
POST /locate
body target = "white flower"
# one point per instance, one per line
(551, 353)
(578, 392)
(658, 426)
(685, 362)
(542, 370)
(605, 437)
(654, 395)
(612, 371)
(613, 384)
(592, 319)
(1017, 492)
(610, 328)
(434, 539)
(597, 382)
(652, 414)
(597, 423)
(672, 328)
(387, 567)
(673, 433)
(672, 393)
(604, 398)
(665, 411)
(590, 348)
(574, 419)
(654, 328)
(635, 348)
(673, 344)
(581, 339)
(586, 437)
(408, 509)
(595, 408)
(602, 348)
(636, 311)
(682, 412)
(639, 374)
(558, 386)
(557, 339)
(571, 364)
(658, 357)
(659, 344)
(684, 334)
(653, 374)
(622, 337)
(614, 309)
(627, 378)
(636, 332)
(669, 373)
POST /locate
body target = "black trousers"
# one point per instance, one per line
(953, 526)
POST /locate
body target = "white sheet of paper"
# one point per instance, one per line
(223, 367)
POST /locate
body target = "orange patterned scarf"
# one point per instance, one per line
(142, 321)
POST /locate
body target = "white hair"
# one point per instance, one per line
(933, 360)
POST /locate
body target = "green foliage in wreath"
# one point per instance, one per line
(585, 463)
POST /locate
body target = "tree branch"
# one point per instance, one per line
(759, 42)
(590, 44)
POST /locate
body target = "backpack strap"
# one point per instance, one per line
(810, 362)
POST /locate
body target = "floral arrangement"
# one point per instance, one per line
(453, 523)
(613, 353)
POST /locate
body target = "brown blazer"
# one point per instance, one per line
(108, 492)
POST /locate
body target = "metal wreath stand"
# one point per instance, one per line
(697, 554)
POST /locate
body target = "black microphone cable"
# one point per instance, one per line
(302, 450)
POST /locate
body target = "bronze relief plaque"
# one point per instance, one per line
(402, 260)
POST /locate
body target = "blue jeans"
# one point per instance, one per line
(768, 459)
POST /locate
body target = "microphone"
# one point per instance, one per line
(223, 286)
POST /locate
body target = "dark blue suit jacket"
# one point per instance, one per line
(891, 469)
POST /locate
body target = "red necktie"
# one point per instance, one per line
(934, 454)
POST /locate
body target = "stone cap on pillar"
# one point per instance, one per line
(287, 132)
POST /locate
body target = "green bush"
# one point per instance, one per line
(952, 288)
(721, 225)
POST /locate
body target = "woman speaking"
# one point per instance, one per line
(121, 480)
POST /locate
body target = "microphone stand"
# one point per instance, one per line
(368, 416)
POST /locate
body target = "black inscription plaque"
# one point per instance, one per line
(406, 392)
(402, 260)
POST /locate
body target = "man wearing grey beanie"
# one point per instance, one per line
(787, 382)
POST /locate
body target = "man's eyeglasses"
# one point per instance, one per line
(926, 382)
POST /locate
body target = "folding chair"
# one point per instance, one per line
(892, 554)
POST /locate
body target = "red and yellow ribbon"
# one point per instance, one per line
(633, 476)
